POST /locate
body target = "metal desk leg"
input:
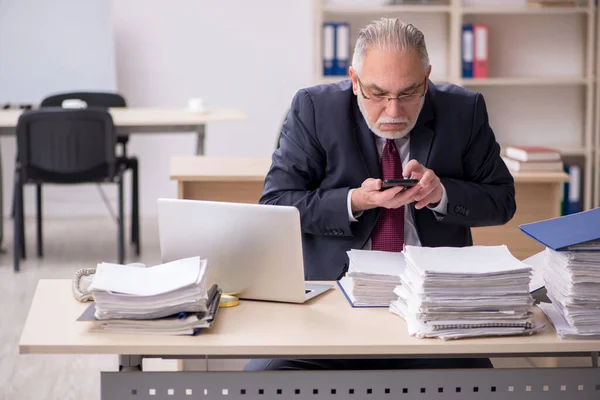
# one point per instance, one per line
(200, 137)
(130, 363)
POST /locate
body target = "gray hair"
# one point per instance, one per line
(389, 34)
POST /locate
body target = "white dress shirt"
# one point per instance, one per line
(411, 237)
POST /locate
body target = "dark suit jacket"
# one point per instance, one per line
(326, 149)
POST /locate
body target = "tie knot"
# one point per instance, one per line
(391, 145)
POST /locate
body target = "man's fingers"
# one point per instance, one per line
(413, 167)
(401, 198)
(430, 198)
(423, 193)
(427, 178)
(413, 191)
(371, 184)
(389, 194)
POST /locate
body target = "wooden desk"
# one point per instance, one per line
(327, 326)
(538, 197)
(237, 180)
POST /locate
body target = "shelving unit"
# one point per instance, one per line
(525, 10)
(542, 66)
(380, 9)
(597, 117)
(335, 79)
(576, 151)
(526, 81)
(597, 177)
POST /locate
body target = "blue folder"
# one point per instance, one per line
(574, 232)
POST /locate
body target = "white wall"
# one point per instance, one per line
(48, 47)
(51, 46)
(228, 52)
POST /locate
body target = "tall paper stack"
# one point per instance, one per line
(573, 286)
(571, 272)
(452, 293)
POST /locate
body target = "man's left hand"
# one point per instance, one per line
(430, 193)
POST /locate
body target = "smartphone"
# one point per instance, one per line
(407, 183)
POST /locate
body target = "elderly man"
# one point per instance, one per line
(388, 122)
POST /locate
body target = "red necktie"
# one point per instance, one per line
(388, 234)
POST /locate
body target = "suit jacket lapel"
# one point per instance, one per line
(421, 137)
(365, 140)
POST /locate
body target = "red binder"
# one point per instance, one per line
(480, 61)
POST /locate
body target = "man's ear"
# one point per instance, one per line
(353, 76)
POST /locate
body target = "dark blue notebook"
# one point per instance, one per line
(574, 232)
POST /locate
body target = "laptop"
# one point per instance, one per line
(253, 251)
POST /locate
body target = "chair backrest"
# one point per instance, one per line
(66, 146)
(93, 99)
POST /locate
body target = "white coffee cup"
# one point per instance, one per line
(196, 104)
(74, 103)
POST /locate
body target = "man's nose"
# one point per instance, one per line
(394, 109)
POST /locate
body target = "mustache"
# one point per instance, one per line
(386, 120)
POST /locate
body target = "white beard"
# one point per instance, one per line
(390, 134)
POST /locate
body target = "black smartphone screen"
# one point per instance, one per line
(389, 183)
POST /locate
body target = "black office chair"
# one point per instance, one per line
(106, 100)
(93, 99)
(63, 146)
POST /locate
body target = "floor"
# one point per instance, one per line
(68, 245)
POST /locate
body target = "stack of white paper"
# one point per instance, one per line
(537, 263)
(372, 277)
(168, 298)
(451, 293)
(572, 282)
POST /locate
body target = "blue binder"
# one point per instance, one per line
(341, 61)
(572, 190)
(328, 48)
(468, 50)
(573, 232)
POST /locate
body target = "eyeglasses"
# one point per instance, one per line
(404, 99)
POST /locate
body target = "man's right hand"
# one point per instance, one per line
(369, 195)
